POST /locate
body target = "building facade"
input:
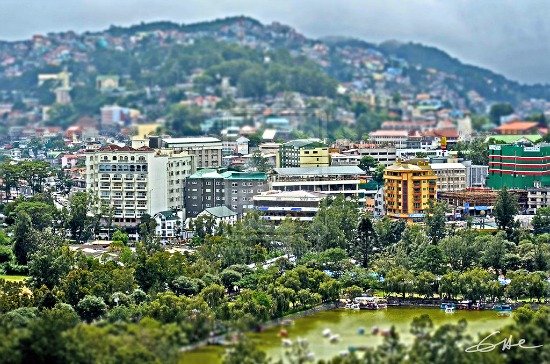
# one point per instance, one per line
(169, 225)
(408, 189)
(351, 157)
(450, 176)
(476, 175)
(139, 181)
(279, 205)
(519, 166)
(331, 180)
(304, 153)
(207, 150)
(208, 188)
(396, 138)
(537, 198)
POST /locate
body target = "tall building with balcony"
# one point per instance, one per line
(138, 181)
(408, 189)
(519, 166)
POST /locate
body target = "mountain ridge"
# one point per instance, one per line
(459, 77)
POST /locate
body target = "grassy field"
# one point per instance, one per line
(13, 278)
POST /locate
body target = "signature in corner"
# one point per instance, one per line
(507, 344)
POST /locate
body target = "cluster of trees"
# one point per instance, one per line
(33, 173)
(28, 218)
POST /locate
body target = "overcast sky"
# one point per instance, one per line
(511, 37)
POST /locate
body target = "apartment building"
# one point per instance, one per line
(330, 180)
(208, 188)
(138, 181)
(279, 205)
(408, 189)
(207, 150)
(450, 176)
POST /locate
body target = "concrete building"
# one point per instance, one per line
(304, 153)
(537, 198)
(207, 150)
(327, 180)
(351, 157)
(476, 175)
(379, 207)
(208, 188)
(519, 166)
(408, 189)
(450, 176)
(137, 181)
(169, 225)
(396, 138)
(279, 205)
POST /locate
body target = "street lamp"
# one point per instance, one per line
(482, 214)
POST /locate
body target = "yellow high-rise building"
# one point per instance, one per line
(408, 189)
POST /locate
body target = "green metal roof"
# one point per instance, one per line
(533, 138)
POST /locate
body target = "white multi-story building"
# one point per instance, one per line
(326, 180)
(139, 181)
(450, 176)
(537, 198)
(279, 205)
(207, 150)
(169, 225)
(351, 157)
(397, 138)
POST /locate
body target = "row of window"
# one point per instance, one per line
(123, 158)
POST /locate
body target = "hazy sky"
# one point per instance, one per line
(508, 36)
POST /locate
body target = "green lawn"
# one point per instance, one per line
(13, 278)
